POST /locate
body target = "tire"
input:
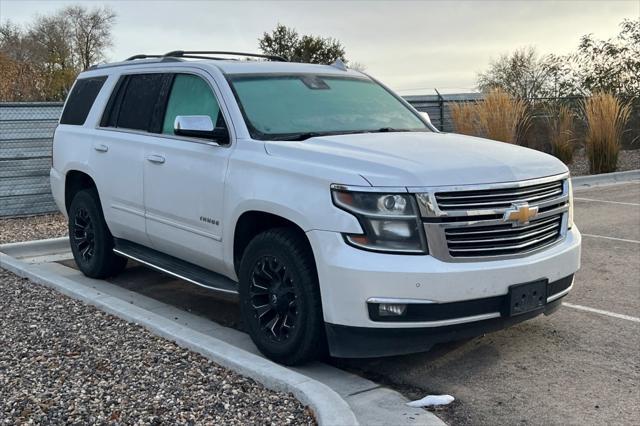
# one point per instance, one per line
(90, 239)
(287, 328)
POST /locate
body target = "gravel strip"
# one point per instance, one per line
(628, 159)
(32, 228)
(65, 362)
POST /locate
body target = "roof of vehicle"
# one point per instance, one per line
(231, 66)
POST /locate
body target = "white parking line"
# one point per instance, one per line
(601, 312)
(611, 238)
(606, 201)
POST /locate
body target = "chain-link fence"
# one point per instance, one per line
(26, 132)
(439, 107)
(537, 135)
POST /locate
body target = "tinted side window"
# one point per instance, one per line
(139, 101)
(110, 115)
(81, 100)
(191, 95)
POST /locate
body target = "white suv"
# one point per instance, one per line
(335, 212)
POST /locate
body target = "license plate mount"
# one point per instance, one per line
(527, 297)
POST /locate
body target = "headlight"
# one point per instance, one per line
(390, 222)
(570, 221)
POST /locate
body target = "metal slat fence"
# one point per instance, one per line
(26, 132)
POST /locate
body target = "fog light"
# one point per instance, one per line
(391, 309)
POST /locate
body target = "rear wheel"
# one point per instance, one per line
(280, 297)
(90, 239)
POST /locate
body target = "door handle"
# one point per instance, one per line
(101, 147)
(158, 159)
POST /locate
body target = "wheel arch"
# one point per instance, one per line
(76, 180)
(251, 223)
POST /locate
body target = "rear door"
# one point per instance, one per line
(118, 152)
(184, 177)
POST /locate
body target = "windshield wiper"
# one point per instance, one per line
(387, 129)
(301, 136)
(307, 135)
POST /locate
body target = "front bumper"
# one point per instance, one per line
(350, 277)
(364, 342)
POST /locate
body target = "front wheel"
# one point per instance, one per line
(280, 297)
(90, 239)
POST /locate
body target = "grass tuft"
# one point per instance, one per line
(464, 116)
(562, 130)
(606, 118)
(498, 116)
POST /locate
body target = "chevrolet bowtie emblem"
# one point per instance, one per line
(520, 214)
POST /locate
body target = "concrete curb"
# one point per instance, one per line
(328, 406)
(589, 181)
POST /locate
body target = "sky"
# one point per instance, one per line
(413, 46)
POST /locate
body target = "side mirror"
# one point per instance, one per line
(199, 126)
(425, 115)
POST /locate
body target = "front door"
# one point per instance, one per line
(184, 179)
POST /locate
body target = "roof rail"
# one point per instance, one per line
(199, 53)
(143, 56)
(176, 55)
(161, 58)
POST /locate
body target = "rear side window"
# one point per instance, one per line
(139, 101)
(81, 100)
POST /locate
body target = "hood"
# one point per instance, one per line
(421, 159)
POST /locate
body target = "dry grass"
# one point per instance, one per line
(562, 129)
(501, 117)
(498, 116)
(606, 118)
(463, 114)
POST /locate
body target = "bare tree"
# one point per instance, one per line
(523, 74)
(41, 60)
(20, 80)
(49, 40)
(91, 33)
(611, 65)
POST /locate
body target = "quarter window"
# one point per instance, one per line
(81, 100)
(190, 95)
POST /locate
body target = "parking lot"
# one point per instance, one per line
(578, 366)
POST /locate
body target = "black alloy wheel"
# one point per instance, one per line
(90, 238)
(273, 298)
(83, 234)
(280, 297)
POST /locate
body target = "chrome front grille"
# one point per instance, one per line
(503, 239)
(498, 198)
(473, 223)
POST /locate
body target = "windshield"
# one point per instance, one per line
(296, 107)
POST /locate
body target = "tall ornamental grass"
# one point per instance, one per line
(562, 130)
(606, 118)
(464, 116)
(502, 117)
(497, 116)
